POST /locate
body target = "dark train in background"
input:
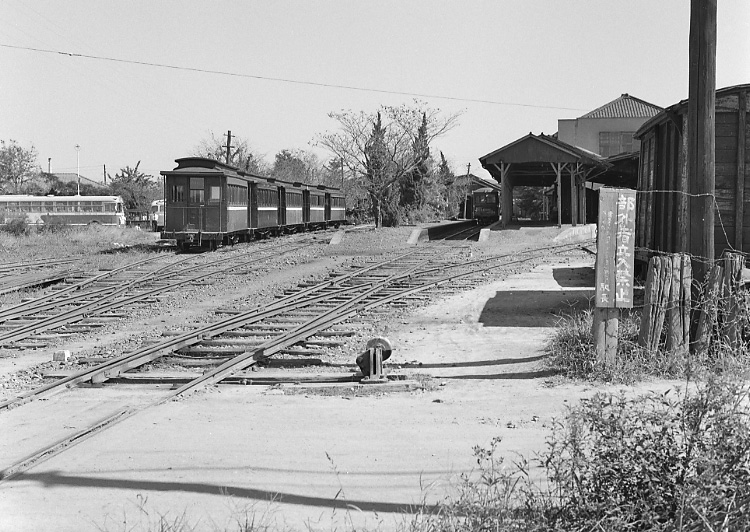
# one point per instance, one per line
(485, 205)
(208, 204)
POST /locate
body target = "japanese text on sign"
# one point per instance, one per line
(615, 248)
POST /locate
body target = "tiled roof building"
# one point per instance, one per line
(626, 106)
(608, 130)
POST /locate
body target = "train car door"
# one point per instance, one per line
(252, 201)
(328, 207)
(306, 206)
(175, 207)
(196, 204)
(282, 206)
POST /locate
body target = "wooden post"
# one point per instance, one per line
(658, 287)
(557, 167)
(581, 195)
(605, 328)
(573, 198)
(701, 132)
(229, 147)
(708, 310)
(507, 193)
(614, 268)
(733, 263)
(678, 309)
(739, 200)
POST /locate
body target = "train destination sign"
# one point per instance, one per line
(615, 248)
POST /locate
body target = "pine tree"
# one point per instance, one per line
(413, 185)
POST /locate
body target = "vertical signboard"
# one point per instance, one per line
(615, 252)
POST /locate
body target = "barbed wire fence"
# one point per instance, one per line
(681, 314)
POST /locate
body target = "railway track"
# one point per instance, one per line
(469, 233)
(86, 304)
(24, 275)
(246, 337)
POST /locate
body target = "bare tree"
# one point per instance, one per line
(297, 166)
(17, 166)
(379, 148)
(242, 156)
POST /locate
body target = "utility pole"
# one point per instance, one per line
(701, 135)
(105, 174)
(78, 168)
(229, 146)
(49, 166)
(468, 191)
(342, 174)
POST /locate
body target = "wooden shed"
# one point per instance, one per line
(664, 188)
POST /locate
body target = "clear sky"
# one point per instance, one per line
(540, 60)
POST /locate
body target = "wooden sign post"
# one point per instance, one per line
(615, 254)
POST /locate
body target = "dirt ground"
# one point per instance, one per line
(310, 457)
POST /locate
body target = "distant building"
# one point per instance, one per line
(609, 129)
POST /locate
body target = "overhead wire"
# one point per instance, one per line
(286, 80)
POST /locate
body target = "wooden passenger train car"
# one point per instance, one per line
(486, 205)
(208, 203)
(664, 205)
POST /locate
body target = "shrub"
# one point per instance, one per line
(656, 462)
(51, 228)
(16, 227)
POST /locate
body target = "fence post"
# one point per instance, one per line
(733, 263)
(678, 307)
(708, 309)
(658, 288)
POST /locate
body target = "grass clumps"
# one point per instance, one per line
(657, 462)
(571, 353)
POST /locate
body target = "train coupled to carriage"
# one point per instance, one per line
(209, 204)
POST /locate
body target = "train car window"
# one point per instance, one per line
(197, 195)
(237, 195)
(215, 194)
(177, 194)
(293, 199)
(268, 198)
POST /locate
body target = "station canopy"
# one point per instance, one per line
(544, 161)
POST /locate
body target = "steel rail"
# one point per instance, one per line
(262, 352)
(150, 353)
(249, 358)
(76, 286)
(17, 283)
(40, 263)
(102, 305)
(37, 303)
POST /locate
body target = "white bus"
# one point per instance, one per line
(157, 213)
(62, 210)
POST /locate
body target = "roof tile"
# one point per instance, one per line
(625, 106)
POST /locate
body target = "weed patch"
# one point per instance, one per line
(658, 462)
(571, 353)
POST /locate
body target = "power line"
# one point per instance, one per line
(287, 80)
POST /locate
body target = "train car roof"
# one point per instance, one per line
(202, 165)
(31, 197)
(485, 189)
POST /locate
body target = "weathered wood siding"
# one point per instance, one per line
(663, 209)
